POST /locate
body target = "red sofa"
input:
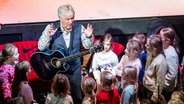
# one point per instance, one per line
(27, 48)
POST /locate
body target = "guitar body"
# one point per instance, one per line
(42, 63)
(47, 63)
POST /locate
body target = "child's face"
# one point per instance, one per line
(107, 45)
(15, 56)
(166, 41)
(124, 75)
(27, 73)
(148, 47)
(129, 53)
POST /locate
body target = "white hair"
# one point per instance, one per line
(65, 9)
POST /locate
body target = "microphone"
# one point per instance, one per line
(27, 50)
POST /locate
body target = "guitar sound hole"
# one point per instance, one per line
(56, 63)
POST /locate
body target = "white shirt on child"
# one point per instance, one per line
(103, 61)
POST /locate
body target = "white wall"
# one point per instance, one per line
(24, 11)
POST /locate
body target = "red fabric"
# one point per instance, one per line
(118, 48)
(106, 96)
(31, 47)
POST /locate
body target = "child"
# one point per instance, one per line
(168, 37)
(8, 60)
(60, 91)
(155, 69)
(129, 75)
(142, 39)
(181, 76)
(88, 86)
(109, 94)
(131, 58)
(105, 60)
(20, 86)
(143, 54)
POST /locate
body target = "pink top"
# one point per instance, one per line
(6, 80)
(26, 92)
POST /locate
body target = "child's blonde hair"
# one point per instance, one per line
(107, 79)
(88, 85)
(177, 97)
(131, 73)
(171, 34)
(7, 51)
(133, 47)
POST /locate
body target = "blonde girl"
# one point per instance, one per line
(168, 38)
(129, 75)
(131, 58)
(8, 59)
(88, 86)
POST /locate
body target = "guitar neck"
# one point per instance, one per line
(69, 58)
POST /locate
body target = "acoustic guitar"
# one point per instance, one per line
(47, 63)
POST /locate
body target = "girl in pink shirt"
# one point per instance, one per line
(8, 60)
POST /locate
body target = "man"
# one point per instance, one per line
(68, 35)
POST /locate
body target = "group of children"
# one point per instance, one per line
(146, 72)
(13, 77)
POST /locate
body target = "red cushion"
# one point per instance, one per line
(118, 48)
